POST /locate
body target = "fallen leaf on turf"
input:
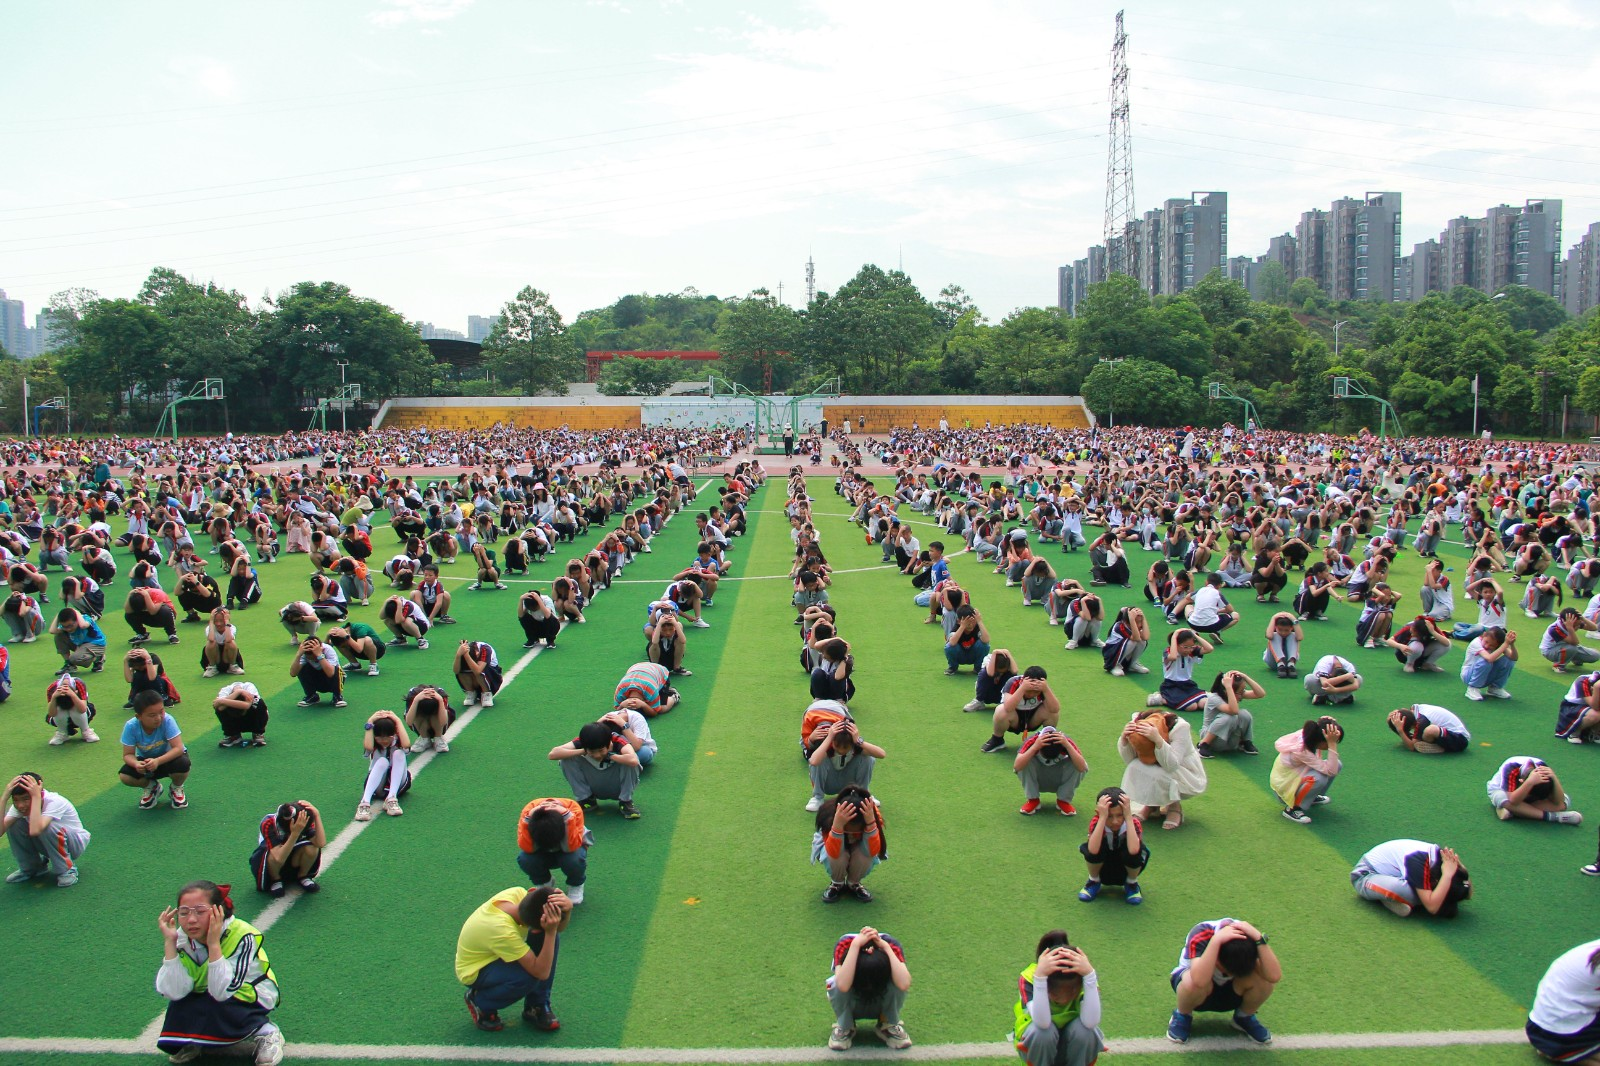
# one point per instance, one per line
(710, 753)
(692, 901)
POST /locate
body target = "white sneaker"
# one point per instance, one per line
(269, 1049)
(841, 1039)
(1474, 694)
(59, 739)
(421, 744)
(894, 1037)
(372, 671)
(1138, 668)
(186, 1054)
(469, 700)
(441, 745)
(91, 737)
(210, 671)
(973, 706)
(235, 669)
(1154, 700)
(391, 807)
(364, 812)
(1531, 614)
(814, 804)
(1071, 645)
(486, 700)
(701, 623)
(1117, 671)
(1498, 693)
(1400, 907)
(575, 894)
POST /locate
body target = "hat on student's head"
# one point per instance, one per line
(1020, 536)
(365, 503)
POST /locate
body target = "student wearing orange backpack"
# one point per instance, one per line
(836, 755)
(551, 835)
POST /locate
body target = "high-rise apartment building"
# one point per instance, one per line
(1420, 271)
(1074, 281)
(1464, 253)
(1580, 274)
(14, 327)
(480, 326)
(1281, 250)
(1377, 263)
(1310, 247)
(1339, 250)
(1205, 237)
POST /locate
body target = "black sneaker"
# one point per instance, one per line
(487, 1020)
(992, 745)
(542, 1019)
(950, 671)
(276, 891)
(1205, 751)
(1249, 748)
(859, 891)
(629, 811)
(589, 805)
(833, 893)
(1283, 670)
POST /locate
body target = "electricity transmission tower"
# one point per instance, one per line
(1119, 159)
(811, 281)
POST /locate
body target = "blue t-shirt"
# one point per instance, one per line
(941, 570)
(150, 745)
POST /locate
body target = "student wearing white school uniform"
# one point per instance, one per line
(1491, 656)
(1560, 641)
(1429, 729)
(44, 831)
(1334, 679)
(1564, 1021)
(1525, 787)
(1578, 718)
(1405, 875)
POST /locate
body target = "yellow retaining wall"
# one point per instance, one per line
(577, 417)
(882, 417)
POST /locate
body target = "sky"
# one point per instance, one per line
(439, 155)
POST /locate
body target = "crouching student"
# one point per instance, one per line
(44, 831)
(1226, 966)
(153, 748)
(1056, 1018)
(838, 758)
(217, 979)
(1524, 787)
(1226, 726)
(1564, 1022)
(649, 684)
(477, 670)
(1115, 851)
(1049, 761)
(1491, 657)
(997, 668)
(385, 743)
(429, 716)
(1307, 763)
(869, 981)
(289, 845)
(1560, 643)
(551, 836)
(67, 707)
(629, 720)
(240, 710)
(507, 952)
(1429, 730)
(849, 838)
(79, 640)
(599, 763)
(316, 667)
(359, 643)
(1026, 703)
(1406, 874)
(1163, 767)
(1126, 640)
(1333, 680)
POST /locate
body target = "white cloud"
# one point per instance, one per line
(212, 77)
(397, 12)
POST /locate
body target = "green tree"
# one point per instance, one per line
(1139, 391)
(964, 353)
(1030, 353)
(953, 305)
(1307, 296)
(1588, 395)
(1272, 282)
(311, 328)
(529, 347)
(210, 332)
(1115, 321)
(631, 376)
(758, 339)
(116, 348)
(1514, 399)
(870, 331)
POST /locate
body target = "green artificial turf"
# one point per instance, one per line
(702, 926)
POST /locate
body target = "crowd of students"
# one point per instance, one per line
(1246, 525)
(216, 975)
(1256, 521)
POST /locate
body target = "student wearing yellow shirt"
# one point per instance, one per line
(507, 951)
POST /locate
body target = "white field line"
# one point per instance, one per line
(819, 1053)
(336, 847)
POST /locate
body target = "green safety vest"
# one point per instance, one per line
(236, 931)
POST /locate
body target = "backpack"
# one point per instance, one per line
(814, 717)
